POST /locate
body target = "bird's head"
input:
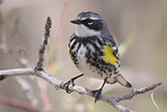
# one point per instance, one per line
(89, 24)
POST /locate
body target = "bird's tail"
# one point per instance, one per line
(121, 80)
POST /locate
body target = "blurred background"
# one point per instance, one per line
(138, 26)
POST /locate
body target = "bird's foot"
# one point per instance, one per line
(71, 82)
(97, 94)
(2, 77)
(67, 84)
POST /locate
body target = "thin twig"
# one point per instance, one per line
(152, 98)
(47, 107)
(39, 65)
(138, 91)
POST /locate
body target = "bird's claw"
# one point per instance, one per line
(67, 84)
(2, 77)
(97, 94)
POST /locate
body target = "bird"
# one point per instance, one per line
(94, 52)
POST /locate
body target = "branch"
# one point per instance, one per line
(59, 84)
(39, 65)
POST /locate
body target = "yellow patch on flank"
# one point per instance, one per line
(68, 47)
(108, 55)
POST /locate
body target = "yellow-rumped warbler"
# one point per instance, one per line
(94, 51)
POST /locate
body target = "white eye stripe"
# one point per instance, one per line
(82, 19)
(94, 18)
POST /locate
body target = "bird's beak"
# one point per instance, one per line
(76, 21)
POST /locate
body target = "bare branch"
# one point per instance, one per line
(152, 98)
(138, 91)
(39, 65)
(114, 101)
(133, 93)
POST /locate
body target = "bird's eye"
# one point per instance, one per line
(89, 21)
